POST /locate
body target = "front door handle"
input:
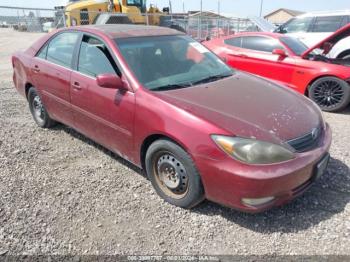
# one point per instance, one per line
(76, 85)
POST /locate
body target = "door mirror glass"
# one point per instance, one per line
(110, 81)
(279, 52)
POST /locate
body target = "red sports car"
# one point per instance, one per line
(167, 104)
(287, 60)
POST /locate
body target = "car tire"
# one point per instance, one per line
(331, 94)
(173, 174)
(38, 111)
(344, 55)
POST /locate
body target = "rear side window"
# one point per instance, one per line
(327, 24)
(61, 48)
(235, 41)
(42, 53)
(94, 58)
(259, 43)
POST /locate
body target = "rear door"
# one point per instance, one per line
(52, 69)
(103, 114)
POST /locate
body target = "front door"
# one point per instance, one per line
(103, 114)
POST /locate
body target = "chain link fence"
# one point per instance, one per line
(197, 25)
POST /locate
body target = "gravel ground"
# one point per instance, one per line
(61, 193)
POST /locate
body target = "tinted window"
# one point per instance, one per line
(260, 43)
(294, 44)
(42, 52)
(61, 48)
(296, 25)
(94, 58)
(327, 23)
(236, 41)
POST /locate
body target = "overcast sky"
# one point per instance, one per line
(234, 7)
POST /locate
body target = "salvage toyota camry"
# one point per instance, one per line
(167, 104)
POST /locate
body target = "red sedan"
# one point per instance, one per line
(287, 60)
(167, 104)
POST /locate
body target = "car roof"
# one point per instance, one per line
(325, 13)
(273, 35)
(126, 30)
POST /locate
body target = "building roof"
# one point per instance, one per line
(206, 14)
(289, 11)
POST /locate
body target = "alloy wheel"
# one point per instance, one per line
(328, 93)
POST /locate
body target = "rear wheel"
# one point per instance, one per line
(331, 94)
(173, 174)
(344, 55)
(38, 110)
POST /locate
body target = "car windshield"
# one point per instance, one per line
(171, 62)
(294, 44)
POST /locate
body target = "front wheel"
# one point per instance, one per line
(173, 174)
(38, 110)
(331, 94)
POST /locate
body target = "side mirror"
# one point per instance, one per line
(279, 52)
(110, 81)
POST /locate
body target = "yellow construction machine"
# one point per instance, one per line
(85, 12)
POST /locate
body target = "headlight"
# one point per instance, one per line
(252, 151)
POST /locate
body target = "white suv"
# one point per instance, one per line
(312, 28)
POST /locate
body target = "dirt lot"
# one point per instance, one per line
(61, 193)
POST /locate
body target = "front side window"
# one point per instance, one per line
(94, 58)
(260, 43)
(235, 41)
(294, 44)
(166, 62)
(296, 25)
(61, 48)
(327, 24)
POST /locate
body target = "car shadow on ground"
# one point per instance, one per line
(327, 197)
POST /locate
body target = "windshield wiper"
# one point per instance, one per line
(211, 79)
(170, 87)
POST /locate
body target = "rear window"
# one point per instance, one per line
(235, 41)
(327, 24)
(260, 43)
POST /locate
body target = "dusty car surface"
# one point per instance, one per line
(286, 59)
(167, 104)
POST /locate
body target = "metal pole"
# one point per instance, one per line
(218, 7)
(183, 6)
(200, 21)
(261, 7)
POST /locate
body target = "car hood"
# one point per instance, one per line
(332, 39)
(248, 106)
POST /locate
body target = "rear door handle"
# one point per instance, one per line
(36, 69)
(76, 85)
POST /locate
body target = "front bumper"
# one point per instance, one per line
(228, 181)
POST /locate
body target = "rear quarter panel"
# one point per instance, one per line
(21, 63)
(21, 71)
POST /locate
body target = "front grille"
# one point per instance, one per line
(306, 142)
